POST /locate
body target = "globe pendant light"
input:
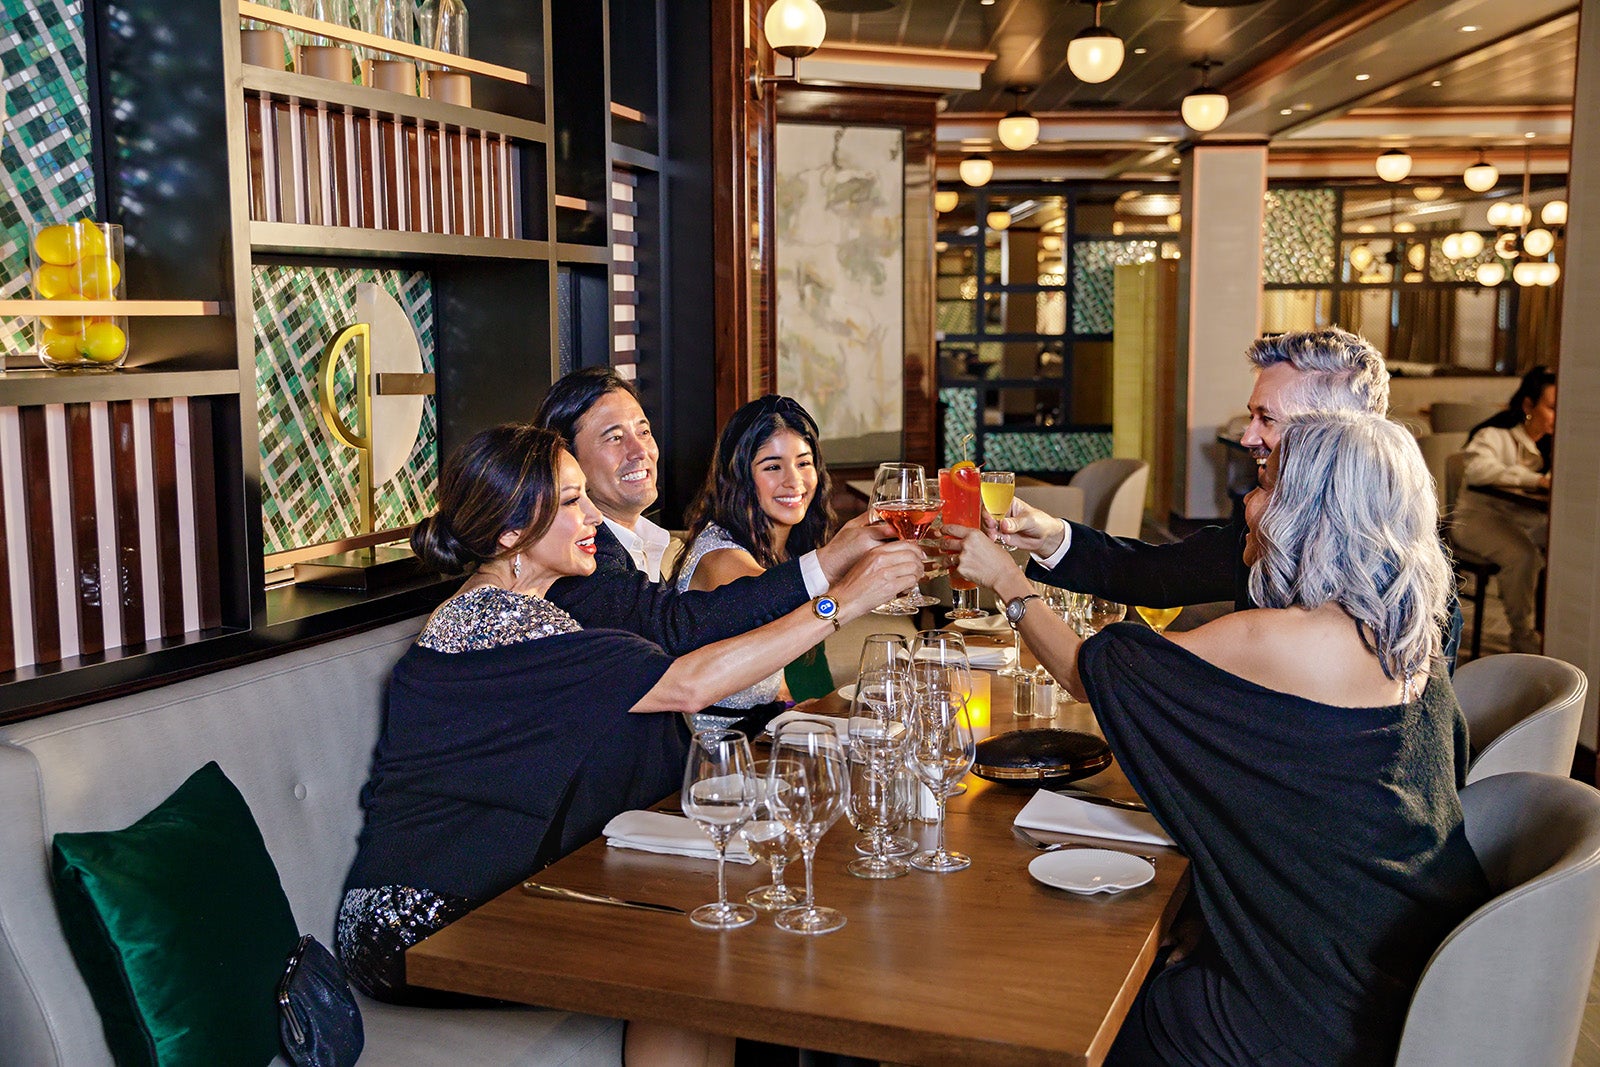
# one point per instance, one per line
(795, 28)
(1019, 130)
(998, 220)
(1451, 247)
(1394, 165)
(945, 201)
(1526, 273)
(1095, 53)
(1471, 244)
(1205, 108)
(1538, 242)
(1491, 274)
(976, 170)
(1481, 176)
(1554, 213)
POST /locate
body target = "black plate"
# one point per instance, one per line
(1033, 756)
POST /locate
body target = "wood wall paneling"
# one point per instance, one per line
(202, 454)
(8, 654)
(85, 530)
(129, 575)
(46, 609)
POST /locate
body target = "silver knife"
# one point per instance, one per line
(539, 889)
(1096, 798)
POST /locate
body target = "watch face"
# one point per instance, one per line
(825, 607)
(1015, 608)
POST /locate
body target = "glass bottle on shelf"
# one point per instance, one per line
(396, 20)
(321, 56)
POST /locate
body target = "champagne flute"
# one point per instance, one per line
(942, 751)
(878, 805)
(1102, 613)
(808, 781)
(998, 488)
(719, 795)
(1158, 619)
(772, 844)
(900, 498)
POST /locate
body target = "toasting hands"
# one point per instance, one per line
(981, 560)
(1027, 528)
(883, 573)
(854, 539)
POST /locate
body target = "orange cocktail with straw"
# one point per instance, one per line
(961, 489)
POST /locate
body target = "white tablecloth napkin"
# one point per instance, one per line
(990, 657)
(1068, 815)
(670, 835)
(841, 726)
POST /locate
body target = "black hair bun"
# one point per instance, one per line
(436, 546)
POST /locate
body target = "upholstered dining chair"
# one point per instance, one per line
(1113, 495)
(1509, 984)
(1523, 713)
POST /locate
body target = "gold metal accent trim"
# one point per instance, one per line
(358, 438)
(392, 384)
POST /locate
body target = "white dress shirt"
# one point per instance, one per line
(646, 543)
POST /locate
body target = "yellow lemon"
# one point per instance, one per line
(57, 245)
(65, 323)
(91, 238)
(59, 347)
(103, 342)
(98, 277)
(54, 282)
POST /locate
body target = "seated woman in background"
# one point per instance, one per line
(513, 734)
(764, 501)
(1305, 755)
(1511, 449)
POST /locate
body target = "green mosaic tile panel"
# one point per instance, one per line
(308, 481)
(954, 316)
(45, 173)
(1094, 276)
(1298, 238)
(960, 419)
(1442, 269)
(1045, 451)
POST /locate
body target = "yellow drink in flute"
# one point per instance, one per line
(997, 497)
(1159, 618)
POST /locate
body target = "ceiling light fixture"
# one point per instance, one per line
(794, 28)
(1554, 213)
(945, 200)
(1471, 244)
(1094, 53)
(1481, 176)
(976, 170)
(1428, 193)
(1394, 165)
(1491, 274)
(998, 220)
(1469, 29)
(1205, 108)
(1363, 77)
(1019, 130)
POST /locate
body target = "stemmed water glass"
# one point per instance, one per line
(883, 652)
(940, 657)
(879, 804)
(719, 794)
(942, 751)
(772, 844)
(808, 783)
(883, 698)
(1102, 613)
(900, 497)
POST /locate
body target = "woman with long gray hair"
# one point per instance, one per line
(1305, 755)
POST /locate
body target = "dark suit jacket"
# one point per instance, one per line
(1207, 565)
(618, 596)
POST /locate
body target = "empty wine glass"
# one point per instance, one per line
(770, 843)
(808, 782)
(942, 751)
(900, 497)
(878, 804)
(883, 696)
(939, 658)
(883, 652)
(1102, 613)
(719, 794)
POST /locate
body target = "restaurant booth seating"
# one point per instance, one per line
(295, 733)
(1509, 984)
(1523, 713)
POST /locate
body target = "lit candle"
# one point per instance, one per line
(978, 705)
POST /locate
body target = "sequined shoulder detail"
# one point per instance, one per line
(711, 539)
(489, 617)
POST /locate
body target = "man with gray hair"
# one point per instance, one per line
(1296, 373)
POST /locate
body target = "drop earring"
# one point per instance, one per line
(516, 567)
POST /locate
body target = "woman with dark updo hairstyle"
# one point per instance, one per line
(500, 753)
(764, 501)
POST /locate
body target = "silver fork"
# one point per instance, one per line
(1057, 846)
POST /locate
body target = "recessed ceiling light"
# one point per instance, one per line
(1286, 111)
(1469, 29)
(1436, 84)
(1363, 77)
(1530, 135)
(1140, 51)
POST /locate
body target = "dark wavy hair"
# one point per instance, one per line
(571, 397)
(1529, 391)
(728, 497)
(504, 478)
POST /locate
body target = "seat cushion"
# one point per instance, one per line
(488, 1037)
(180, 927)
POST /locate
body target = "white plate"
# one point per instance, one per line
(848, 692)
(993, 625)
(1091, 870)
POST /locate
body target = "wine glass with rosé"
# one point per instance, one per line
(900, 498)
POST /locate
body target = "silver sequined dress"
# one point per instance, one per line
(711, 539)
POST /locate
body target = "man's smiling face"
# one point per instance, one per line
(618, 453)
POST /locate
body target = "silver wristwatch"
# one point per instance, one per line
(1017, 607)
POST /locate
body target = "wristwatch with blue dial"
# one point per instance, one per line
(827, 609)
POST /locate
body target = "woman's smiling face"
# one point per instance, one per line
(567, 547)
(785, 476)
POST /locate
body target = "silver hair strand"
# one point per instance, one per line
(1339, 371)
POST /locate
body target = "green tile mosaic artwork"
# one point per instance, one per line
(45, 173)
(1094, 276)
(954, 316)
(308, 481)
(1046, 450)
(1298, 237)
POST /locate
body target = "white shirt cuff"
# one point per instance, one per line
(811, 571)
(1059, 554)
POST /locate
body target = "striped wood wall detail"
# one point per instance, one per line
(108, 527)
(624, 268)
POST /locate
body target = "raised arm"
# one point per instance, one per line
(1207, 565)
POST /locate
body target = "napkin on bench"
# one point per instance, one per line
(670, 835)
(1067, 815)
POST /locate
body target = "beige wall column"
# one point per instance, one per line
(1572, 609)
(1219, 312)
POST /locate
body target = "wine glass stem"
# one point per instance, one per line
(806, 852)
(940, 800)
(722, 883)
(778, 864)
(1016, 644)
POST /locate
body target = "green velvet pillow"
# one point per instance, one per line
(180, 927)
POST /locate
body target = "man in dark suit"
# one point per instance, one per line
(597, 412)
(1323, 370)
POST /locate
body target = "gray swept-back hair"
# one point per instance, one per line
(1353, 520)
(1338, 371)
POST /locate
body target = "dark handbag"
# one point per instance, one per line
(319, 1023)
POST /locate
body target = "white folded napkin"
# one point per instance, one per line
(670, 835)
(840, 726)
(990, 658)
(1068, 815)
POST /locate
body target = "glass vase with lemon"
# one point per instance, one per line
(76, 262)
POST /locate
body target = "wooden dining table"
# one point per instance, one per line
(985, 965)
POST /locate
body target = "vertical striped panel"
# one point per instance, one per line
(183, 475)
(40, 527)
(624, 268)
(105, 505)
(125, 495)
(17, 577)
(85, 529)
(208, 560)
(8, 654)
(169, 520)
(60, 483)
(145, 497)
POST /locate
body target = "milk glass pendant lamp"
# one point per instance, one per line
(1481, 176)
(1205, 108)
(1394, 165)
(795, 28)
(1019, 130)
(1095, 54)
(976, 170)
